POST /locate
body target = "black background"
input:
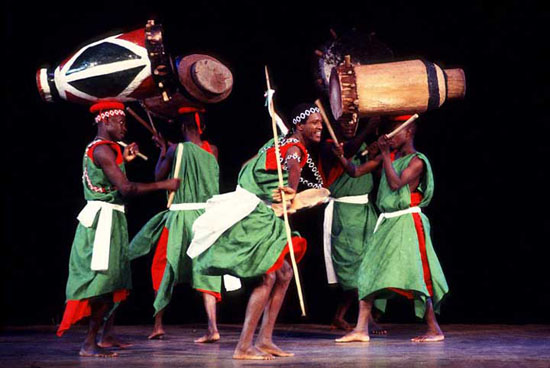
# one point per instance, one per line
(489, 152)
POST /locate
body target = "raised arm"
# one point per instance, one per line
(164, 163)
(353, 170)
(105, 158)
(410, 176)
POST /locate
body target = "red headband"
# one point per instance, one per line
(400, 117)
(107, 109)
(196, 110)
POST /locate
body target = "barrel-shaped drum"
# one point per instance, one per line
(114, 68)
(403, 87)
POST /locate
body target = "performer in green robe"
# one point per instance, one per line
(400, 257)
(171, 230)
(350, 215)
(99, 266)
(239, 234)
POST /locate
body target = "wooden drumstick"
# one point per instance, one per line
(327, 122)
(141, 121)
(397, 130)
(179, 155)
(283, 197)
(402, 126)
(139, 154)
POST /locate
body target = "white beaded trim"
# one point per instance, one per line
(293, 156)
(107, 114)
(304, 115)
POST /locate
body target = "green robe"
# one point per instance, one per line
(252, 245)
(392, 258)
(352, 225)
(199, 174)
(84, 283)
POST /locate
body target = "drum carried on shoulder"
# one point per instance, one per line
(135, 66)
(394, 88)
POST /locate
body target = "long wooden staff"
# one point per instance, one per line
(327, 122)
(283, 195)
(397, 130)
(179, 155)
(141, 121)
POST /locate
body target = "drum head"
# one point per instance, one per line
(306, 199)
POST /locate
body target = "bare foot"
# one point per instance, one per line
(96, 352)
(252, 354)
(354, 336)
(157, 334)
(112, 342)
(375, 329)
(429, 337)
(273, 349)
(209, 337)
(340, 324)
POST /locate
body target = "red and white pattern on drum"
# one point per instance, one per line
(140, 86)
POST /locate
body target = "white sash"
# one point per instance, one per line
(222, 212)
(187, 206)
(386, 215)
(230, 283)
(327, 230)
(102, 239)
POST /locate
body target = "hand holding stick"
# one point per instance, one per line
(397, 130)
(139, 154)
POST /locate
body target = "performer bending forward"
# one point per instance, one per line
(239, 234)
(99, 267)
(400, 257)
(171, 229)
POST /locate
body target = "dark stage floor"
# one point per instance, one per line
(465, 346)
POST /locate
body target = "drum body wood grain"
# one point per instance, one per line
(403, 87)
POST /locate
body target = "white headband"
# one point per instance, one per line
(109, 113)
(304, 115)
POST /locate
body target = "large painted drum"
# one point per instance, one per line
(135, 66)
(395, 88)
(123, 67)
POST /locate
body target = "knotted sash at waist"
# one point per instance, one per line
(327, 230)
(385, 215)
(102, 239)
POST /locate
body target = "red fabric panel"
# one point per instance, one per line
(75, 310)
(416, 198)
(159, 260)
(333, 174)
(115, 146)
(300, 246)
(271, 157)
(217, 295)
(206, 146)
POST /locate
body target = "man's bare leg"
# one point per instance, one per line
(434, 332)
(210, 306)
(108, 337)
(361, 332)
(158, 329)
(89, 347)
(338, 321)
(256, 305)
(264, 342)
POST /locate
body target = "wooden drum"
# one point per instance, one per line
(395, 88)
